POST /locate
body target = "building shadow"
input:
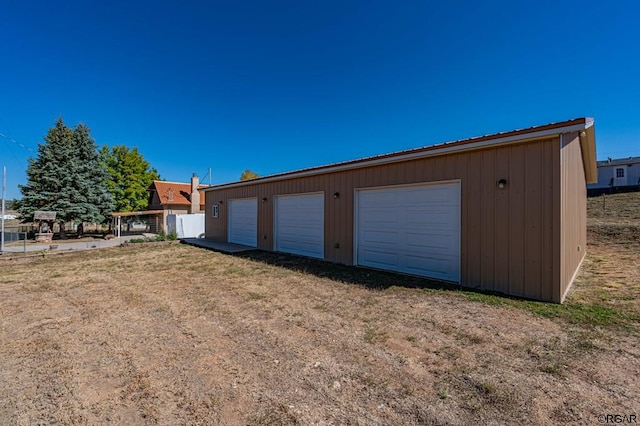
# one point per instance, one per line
(372, 279)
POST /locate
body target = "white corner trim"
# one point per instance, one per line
(575, 275)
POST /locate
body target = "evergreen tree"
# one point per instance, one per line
(130, 177)
(92, 179)
(67, 177)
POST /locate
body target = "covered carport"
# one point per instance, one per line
(126, 223)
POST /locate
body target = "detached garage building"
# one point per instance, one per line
(504, 213)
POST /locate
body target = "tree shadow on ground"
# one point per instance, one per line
(370, 278)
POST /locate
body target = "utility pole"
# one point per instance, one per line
(209, 176)
(4, 190)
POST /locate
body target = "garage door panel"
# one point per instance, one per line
(306, 248)
(299, 224)
(426, 196)
(309, 221)
(375, 237)
(312, 230)
(245, 237)
(293, 212)
(429, 266)
(288, 247)
(243, 222)
(430, 220)
(301, 230)
(430, 242)
(380, 259)
(383, 198)
(374, 216)
(419, 233)
(297, 238)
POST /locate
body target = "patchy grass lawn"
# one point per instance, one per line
(170, 334)
(614, 209)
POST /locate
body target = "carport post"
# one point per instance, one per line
(118, 227)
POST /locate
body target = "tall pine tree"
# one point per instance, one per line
(130, 177)
(92, 178)
(67, 177)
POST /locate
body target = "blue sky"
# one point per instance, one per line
(280, 85)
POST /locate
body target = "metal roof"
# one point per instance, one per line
(513, 136)
(619, 161)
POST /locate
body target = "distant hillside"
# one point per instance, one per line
(615, 208)
(614, 220)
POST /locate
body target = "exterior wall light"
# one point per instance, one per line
(220, 202)
(264, 199)
(502, 183)
(336, 195)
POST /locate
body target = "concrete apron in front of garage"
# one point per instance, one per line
(228, 248)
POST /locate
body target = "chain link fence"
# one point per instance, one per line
(12, 239)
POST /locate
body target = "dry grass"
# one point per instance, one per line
(169, 334)
(611, 274)
(614, 209)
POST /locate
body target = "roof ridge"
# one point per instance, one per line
(170, 181)
(582, 122)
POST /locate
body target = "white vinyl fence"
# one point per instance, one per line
(186, 225)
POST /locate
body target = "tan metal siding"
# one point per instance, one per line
(573, 210)
(473, 189)
(501, 220)
(557, 224)
(517, 201)
(534, 172)
(463, 173)
(548, 231)
(488, 229)
(504, 246)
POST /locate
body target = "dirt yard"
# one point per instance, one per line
(169, 334)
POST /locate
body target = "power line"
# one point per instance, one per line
(205, 176)
(15, 144)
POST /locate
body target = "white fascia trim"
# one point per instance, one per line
(169, 181)
(587, 124)
(507, 140)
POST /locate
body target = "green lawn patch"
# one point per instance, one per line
(591, 315)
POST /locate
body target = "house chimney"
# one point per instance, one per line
(195, 195)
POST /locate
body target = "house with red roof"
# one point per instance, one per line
(168, 198)
(177, 197)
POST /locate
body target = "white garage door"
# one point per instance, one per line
(410, 229)
(243, 222)
(299, 224)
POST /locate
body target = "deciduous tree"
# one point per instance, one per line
(248, 175)
(130, 177)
